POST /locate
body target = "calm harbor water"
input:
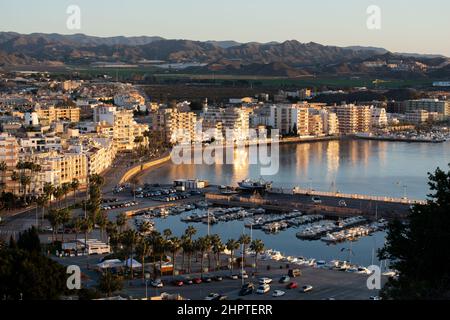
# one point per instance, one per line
(349, 166)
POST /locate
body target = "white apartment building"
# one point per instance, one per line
(125, 128)
(290, 118)
(330, 122)
(353, 119)
(178, 127)
(379, 117)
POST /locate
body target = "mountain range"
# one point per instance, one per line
(290, 58)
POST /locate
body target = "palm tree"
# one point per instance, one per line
(53, 218)
(145, 228)
(41, 201)
(35, 169)
(245, 241)
(24, 182)
(159, 247)
(64, 217)
(102, 220)
(74, 185)
(15, 178)
(112, 233)
(174, 246)
(65, 188)
(257, 246)
(167, 233)
(232, 245)
(86, 227)
(143, 249)
(58, 192)
(188, 248)
(130, 238)
(203, 244)
(218, 248)
(77, 226)
(190, 231)
(121, 221)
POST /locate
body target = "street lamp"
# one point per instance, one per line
(147, 277)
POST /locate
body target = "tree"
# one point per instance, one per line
(74, 185)
(257, 246)
(129, 239)
(232, 246)
(25, 273)
(64, 217)
(174, 246)
(244, 240)
(167, 233)
(218, 247)
(53, 218)
(143, 249)
(121, 221)
(109, 283)
(418, 248)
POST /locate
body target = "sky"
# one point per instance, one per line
(415, 26)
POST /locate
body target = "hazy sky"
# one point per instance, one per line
(406, 25)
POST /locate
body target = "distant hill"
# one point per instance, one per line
(289, 58)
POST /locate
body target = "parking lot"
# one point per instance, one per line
(326, 284)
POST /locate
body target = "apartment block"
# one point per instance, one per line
(9, 154)
(431, 105)
(48, 115)
(353, 119)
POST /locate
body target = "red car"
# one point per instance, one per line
(292, 285)
(178, 283)
(197, 280)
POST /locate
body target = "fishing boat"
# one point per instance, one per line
(254, 185)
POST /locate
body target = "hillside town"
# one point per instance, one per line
(72, 129)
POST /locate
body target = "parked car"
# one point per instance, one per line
(157, 283)
(234, 277)
(284, 279)
(307, 288)
(206, 278)
(262, 289)
(212, 296)
(265, 280)
(197, 280)
(278, 293)
(178, 282)
(292, 285)
(217, 278)
(188, 280)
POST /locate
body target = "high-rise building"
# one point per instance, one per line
(431, 105)
(125, 128)
(353, 119)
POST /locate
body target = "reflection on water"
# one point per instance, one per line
(350, 166)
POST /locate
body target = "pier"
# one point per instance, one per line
(331, 206)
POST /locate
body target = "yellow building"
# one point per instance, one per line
(52, 114)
